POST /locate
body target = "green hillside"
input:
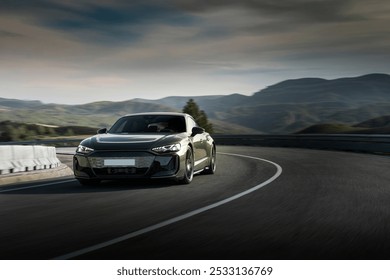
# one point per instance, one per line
(13, 131)
(380, 125)
(292, 105)
(97, 114)
(285, 107)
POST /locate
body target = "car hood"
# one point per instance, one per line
(130, 141)
(127, 138)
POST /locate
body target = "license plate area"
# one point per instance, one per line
(123, 162)
(121, 170)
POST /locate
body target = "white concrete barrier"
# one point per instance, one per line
(17, 158)
(6, 154)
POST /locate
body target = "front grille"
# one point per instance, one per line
(141, 164)
(142, 159)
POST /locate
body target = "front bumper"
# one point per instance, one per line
(146, 165)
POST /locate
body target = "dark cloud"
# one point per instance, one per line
(7, 34)
(121, 21)
(104, 20)
(301, 10)
(92, 15)
(83, 47)
(260, 17)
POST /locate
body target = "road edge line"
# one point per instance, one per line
(37, 186)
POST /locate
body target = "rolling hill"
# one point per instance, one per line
(293, 105)
(97, 114)
(380, 125)
(285, 107)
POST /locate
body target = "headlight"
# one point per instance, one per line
(84, 150)
(167, 148)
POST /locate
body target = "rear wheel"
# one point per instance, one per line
(210, 169)
(189, 167)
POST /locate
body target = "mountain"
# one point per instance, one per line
(178, 102)
(96, 114)
(383, 121)
(295, 104)
(18, 104)
(285, 107)
(372, 88)
(292, 105)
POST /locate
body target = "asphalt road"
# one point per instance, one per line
(318, 205)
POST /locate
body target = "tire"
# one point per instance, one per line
(189, 167)
(210, 169)
(89, 182)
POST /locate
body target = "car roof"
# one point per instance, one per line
(159, 114)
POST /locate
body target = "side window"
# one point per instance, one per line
(191, 124)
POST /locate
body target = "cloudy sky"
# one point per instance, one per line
(79, 51)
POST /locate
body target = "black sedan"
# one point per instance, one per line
(147, 145)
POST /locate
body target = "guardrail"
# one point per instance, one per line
(345, 142)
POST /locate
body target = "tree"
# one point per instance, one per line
(200, 116)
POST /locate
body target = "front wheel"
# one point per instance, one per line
(189, 167)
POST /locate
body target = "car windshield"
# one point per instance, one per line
(149, 124)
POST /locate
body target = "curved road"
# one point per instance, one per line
(316, 205)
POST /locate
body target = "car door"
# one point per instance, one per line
(200, 145)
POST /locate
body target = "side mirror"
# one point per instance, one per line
(197, 130)
(102, 131)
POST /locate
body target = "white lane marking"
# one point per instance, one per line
(37, 186)
(178, 218)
